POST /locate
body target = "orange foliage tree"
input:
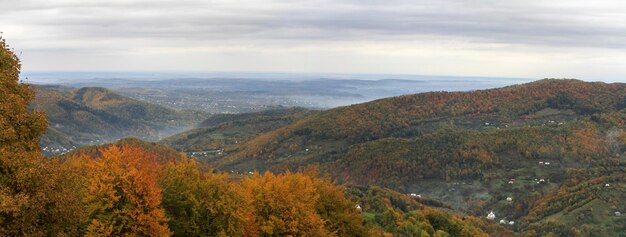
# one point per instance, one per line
(123, 197)
(199, 203)
(284, 204)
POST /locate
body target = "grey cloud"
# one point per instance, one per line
(514, 22)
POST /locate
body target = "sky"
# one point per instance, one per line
(513, 38)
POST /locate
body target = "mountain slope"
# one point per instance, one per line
(412, 115)
(124, 107)
(96, 115)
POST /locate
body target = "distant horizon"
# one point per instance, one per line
(295, 76)
(48, 75)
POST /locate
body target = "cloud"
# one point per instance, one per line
(572, 23)
(149, 26)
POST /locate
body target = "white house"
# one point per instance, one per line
(491, 216)
(502, 221)
(511, 222)
(509, 199)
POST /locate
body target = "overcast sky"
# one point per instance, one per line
(514, 38)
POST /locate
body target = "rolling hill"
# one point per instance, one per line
(222, 130)
(547, 156)
(97, 115)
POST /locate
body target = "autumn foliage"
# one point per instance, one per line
(34, 200)
(201, 203)
(123, 197)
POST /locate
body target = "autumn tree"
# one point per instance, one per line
(199, 203)
(284, 204)
(33, 198)
(339, 213)
(123, 197)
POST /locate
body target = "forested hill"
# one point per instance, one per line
(414, 115)
(95, 115)
(538, 154)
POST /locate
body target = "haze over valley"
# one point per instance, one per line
(246, 92)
